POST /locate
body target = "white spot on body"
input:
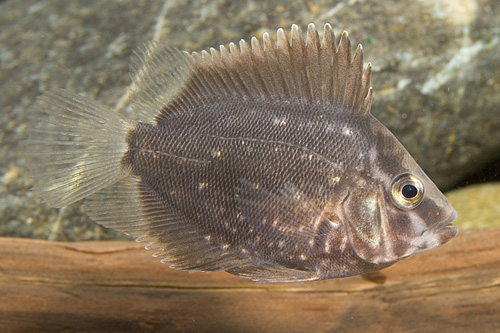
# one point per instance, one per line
(279, 121)
(208, 237)
(216, 153)
(244, 251)
(202, 186)
(303, 257)
(225, 247)
(346, 131)
(335, 180)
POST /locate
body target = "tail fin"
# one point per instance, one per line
(75, 147)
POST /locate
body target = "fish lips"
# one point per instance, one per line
(445, 229)
(438, 235)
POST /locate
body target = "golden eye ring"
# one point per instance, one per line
(407, 191)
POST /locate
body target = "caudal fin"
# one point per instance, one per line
(75, 147)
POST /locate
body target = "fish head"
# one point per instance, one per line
(391, 209)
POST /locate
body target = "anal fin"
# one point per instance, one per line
(268, 272)
(131, 207)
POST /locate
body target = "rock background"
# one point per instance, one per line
(477, 206)
(436, 75)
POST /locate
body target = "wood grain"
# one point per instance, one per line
(119, 287)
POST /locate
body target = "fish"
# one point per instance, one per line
(261, 159)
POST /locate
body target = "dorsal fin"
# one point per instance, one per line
(309, 70)
(158, 75)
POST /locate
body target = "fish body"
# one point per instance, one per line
(262, 160)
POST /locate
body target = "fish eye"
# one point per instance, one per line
(407, 191)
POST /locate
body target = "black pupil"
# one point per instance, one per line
(409, 191)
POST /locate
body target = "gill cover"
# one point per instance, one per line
(368, 224)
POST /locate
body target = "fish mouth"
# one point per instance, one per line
(445, 229)
(447, 223)
(438, 235)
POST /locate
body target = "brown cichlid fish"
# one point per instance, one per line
(262, 160)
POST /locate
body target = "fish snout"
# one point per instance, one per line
(445, 229)
(437, 235)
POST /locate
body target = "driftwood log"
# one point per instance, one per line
(119, 287)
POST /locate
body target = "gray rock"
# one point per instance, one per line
(436, 75)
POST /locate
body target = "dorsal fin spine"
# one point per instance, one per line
(256, 55)
(314, 74)
(269, 62)
(358, 69)
(221, 63)
(215, 70)
(272, 62)
(351, 88)
(343, 60)
(328, 51)
(298, 62)
(237, 61)
(366, 90)
(234, 82)
(283, 56)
